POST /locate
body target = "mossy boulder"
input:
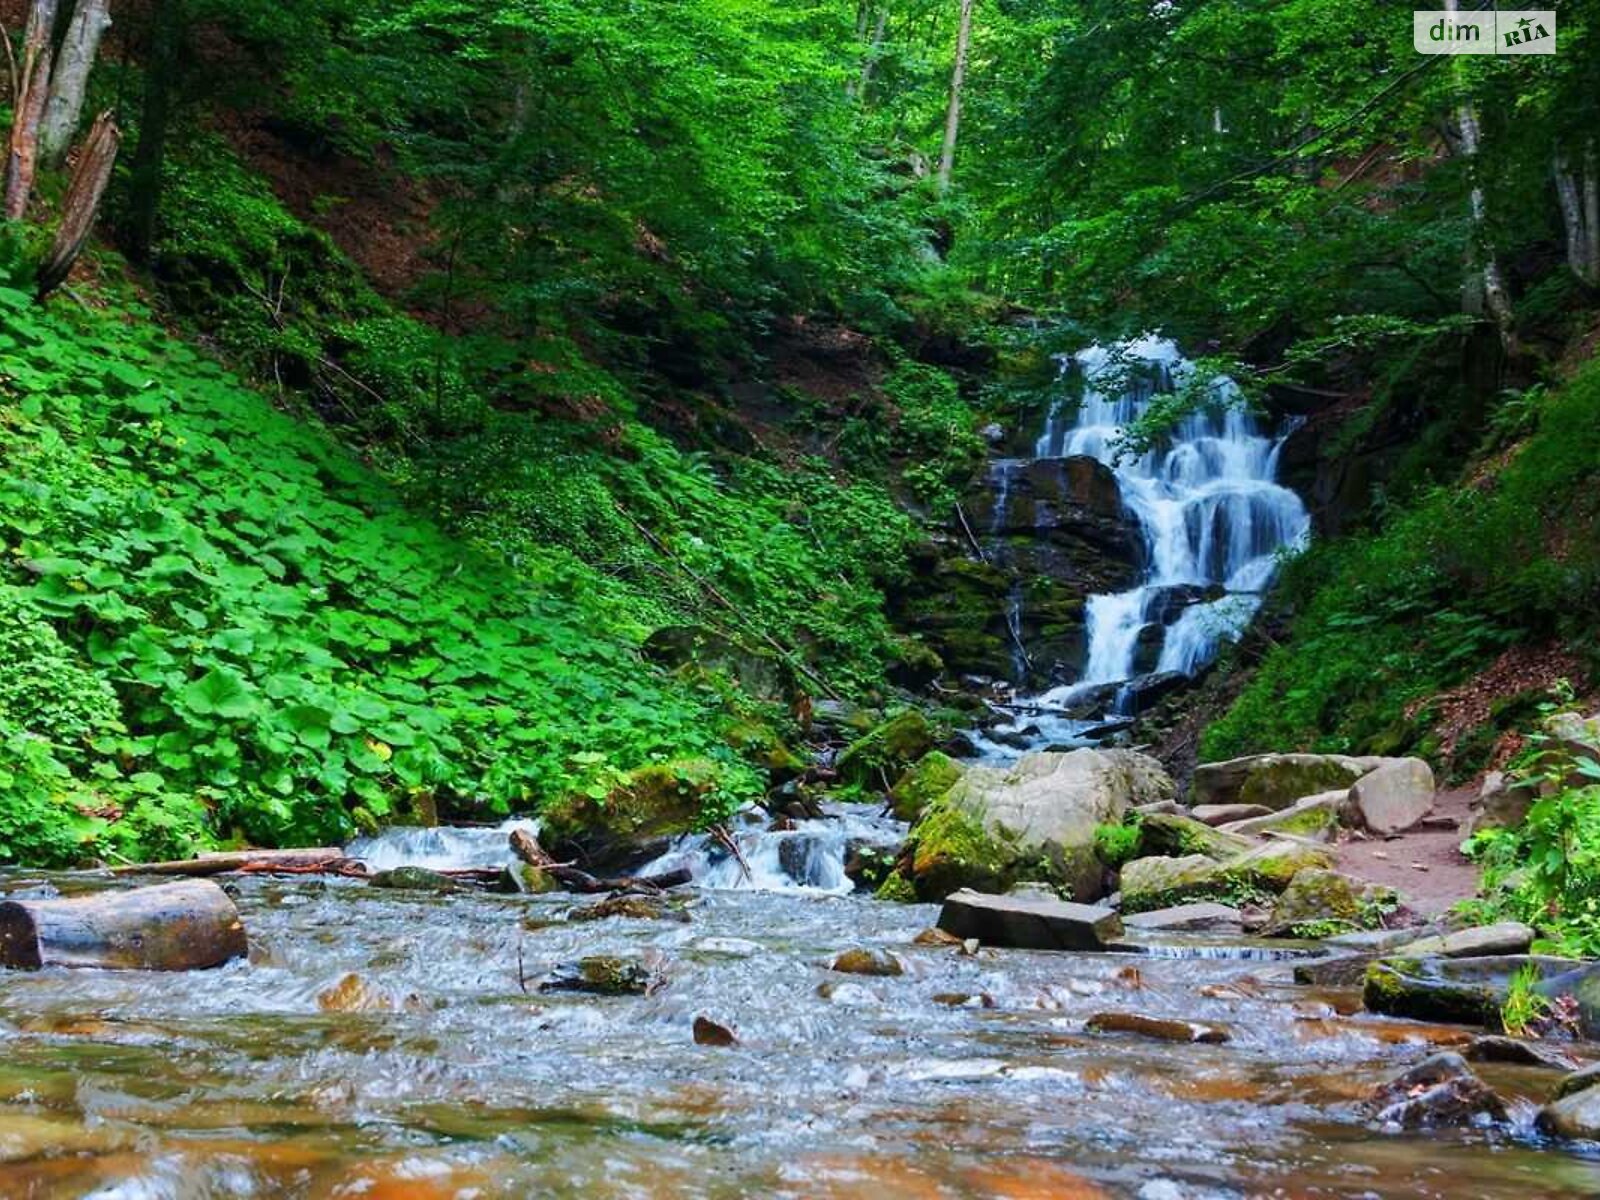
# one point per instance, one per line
(635, 816)
(1319, 901)
(1312, 817)
(1033, 820)
(883, 755)
(928, 779)
(1150, 883)
(1175, 836)
(1274, 781)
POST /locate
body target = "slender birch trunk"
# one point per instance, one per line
(952, 119)
(1578, 191)
(70, 83)
(33, 89)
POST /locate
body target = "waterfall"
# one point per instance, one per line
(809, 856)
(1212, 516)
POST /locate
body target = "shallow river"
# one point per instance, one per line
(448, 1079)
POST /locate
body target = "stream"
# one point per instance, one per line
(381, 1044)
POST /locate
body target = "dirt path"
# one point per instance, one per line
(1425, 865)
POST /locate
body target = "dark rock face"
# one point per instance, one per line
(1441, 1090)
(1052, 531)
(1468, 991)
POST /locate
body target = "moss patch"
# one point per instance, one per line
(934, 775)
(886, 752)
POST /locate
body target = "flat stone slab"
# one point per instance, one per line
(1202, 917)
(1506, 937)
(1028, 922)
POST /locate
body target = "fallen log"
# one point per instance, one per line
(322, 858)
(169, 927)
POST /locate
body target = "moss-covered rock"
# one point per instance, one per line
(1273, 781)
(1033, 820)
(883, 755)
(1315, 818)
(650, 803)
(1176, 836)
(928, 779)
(760, 744)
(1150, 883)
(1319, 902)
(897, 889)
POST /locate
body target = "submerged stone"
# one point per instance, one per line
(604, 975)
(414, 879)
(1163, 1029)
(866, 961)
(1574, 1116)
(1440, 1090)
(1495, 1048)
(713, 1033)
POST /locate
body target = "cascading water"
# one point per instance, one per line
(445, 848)
(809, 856)
(1212, 516)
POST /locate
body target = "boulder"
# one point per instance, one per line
(1223, 814)
(1272, 781)
(1577, 736)
(1319, 898)
(1312, 817)
(708, 1032)
(881, 756)
(1203, 917)
(1506, 937)
(1582, 985)
(1467, 991)
(1033, 819)
(929, 778)
(1163, 1029)
(414, 879)
(1175, 836)
(1028, 923)
(1440, 1090)
(1579, 1081)
(1393, 797)
(1149, 883)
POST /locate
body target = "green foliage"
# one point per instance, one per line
(1117, 844)
(1524, 1008)
(1387, 620)
(286, 641)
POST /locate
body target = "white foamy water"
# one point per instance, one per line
(445, 848)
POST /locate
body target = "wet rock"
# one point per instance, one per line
(1582, 985)
(1145, 691)
(1160, 807)
(604, 975)
(414, 879)
(1319, 897)
(635, 908)
(354, 994)
(1493, 1048)
(1272, 781)
(1204, 917)
(1341, 970)
(1505, 937)
(1161, 1028)
(964, 999)
(935, 937)
(865, 961)
(1223, 814)
(1314, 817)
(929, 778)
(883, 755)
(632, 820)
(713, 1033)
(1440, 1090)
(1033, 819)
(1029, 923)
(1579, 1081)
(1394, 796)
(1576, 1116)
(1467, 991)
(1175, 836)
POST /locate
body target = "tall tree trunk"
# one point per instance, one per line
(1485, 289)
(90, 175)
(952, 118)
(874, 51)
(149, 155)
(33, 89)
(1578, 190)
(70, 82)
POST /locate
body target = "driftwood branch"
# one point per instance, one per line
(526, 847)
(170, 927)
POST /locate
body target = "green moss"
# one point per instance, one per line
(888, 750)
(931, 777)
(760, 745)
(953, 850)
(1280, 783)
(651, 801)
(1177, 836)
(897, 889)
(1118, 844)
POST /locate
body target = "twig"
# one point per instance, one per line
(724, 838)
(961, 513)
(522, 978)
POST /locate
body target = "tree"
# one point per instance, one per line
(952, 119)
(69, 82)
